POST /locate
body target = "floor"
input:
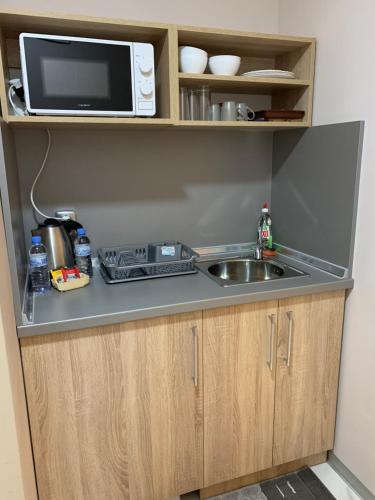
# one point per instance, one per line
(337, 486)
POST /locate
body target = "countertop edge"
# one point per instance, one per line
(170, 309)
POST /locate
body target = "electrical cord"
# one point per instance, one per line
(37, 178)
(11, 93)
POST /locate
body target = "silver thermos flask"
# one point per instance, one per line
(58, 243)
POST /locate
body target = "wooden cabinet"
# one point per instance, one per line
(116, 412)
(119, 412)
(239, 390)
(308, 358)
(270, 392)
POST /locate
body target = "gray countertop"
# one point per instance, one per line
(101, 304)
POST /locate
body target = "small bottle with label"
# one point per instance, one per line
(38, 267)
(264, 237)
(82, 251)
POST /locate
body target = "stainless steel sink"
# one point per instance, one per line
(228, 272)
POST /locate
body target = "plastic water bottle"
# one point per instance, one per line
(82, 250)
(38, 266)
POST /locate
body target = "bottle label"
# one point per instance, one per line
(38, 260)
(82, 250)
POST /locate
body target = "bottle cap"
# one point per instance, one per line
(35, 240)
(265, 208)
(81, 231)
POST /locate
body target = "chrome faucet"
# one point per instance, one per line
(258, 252)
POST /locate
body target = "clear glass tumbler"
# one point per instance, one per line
(184, 104)
(194, 104)
(204, 98)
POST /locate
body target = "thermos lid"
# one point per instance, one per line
(50, 223)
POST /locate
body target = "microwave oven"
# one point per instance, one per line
(64, 75)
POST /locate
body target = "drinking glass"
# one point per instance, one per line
(204, 98)
(184, 104)
(194, 104)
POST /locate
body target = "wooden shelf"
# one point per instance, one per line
(257, 51)
(256, 126)
(241, 84)
(88, 122)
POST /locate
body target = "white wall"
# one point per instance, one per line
(345, 91)
(248, 15)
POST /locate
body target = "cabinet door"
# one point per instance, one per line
(162, 360)
(115, 412)
(238, 352)
(308, 357)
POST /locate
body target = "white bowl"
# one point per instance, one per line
(192, 60)
(224, 65)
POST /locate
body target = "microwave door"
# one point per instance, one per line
(71, 76)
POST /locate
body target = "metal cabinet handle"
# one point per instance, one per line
(290, 337)
(271, 345)
(195, 356)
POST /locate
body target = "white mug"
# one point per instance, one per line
(244, 112)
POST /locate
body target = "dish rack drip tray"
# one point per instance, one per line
(146, 260)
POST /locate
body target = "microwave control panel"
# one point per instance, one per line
(144, 79)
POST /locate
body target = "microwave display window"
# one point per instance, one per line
(78, 75)
(75, 78)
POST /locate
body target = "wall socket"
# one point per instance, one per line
(66, 214)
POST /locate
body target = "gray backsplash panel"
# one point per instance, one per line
(315, 190)
(203, 188)
(12, 212)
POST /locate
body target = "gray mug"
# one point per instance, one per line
(244, 112)
(229, 111)
(214, 112)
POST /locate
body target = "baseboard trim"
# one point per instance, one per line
(349, 477)
(257, 477)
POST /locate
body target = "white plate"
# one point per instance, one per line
(270, 73)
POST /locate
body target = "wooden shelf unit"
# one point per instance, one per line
(257, 51)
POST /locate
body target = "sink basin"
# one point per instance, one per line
(245, 270)
(229, 272)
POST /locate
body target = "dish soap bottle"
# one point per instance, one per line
(264, 238)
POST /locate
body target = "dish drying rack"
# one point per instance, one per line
(144, 261)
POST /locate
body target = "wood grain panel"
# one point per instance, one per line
(164, 408)
(114, 412)
(15, 442)
(306, 392)
(238, 391)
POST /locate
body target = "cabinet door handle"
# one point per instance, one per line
(272, 342)
(290, 338)
(195, 356)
